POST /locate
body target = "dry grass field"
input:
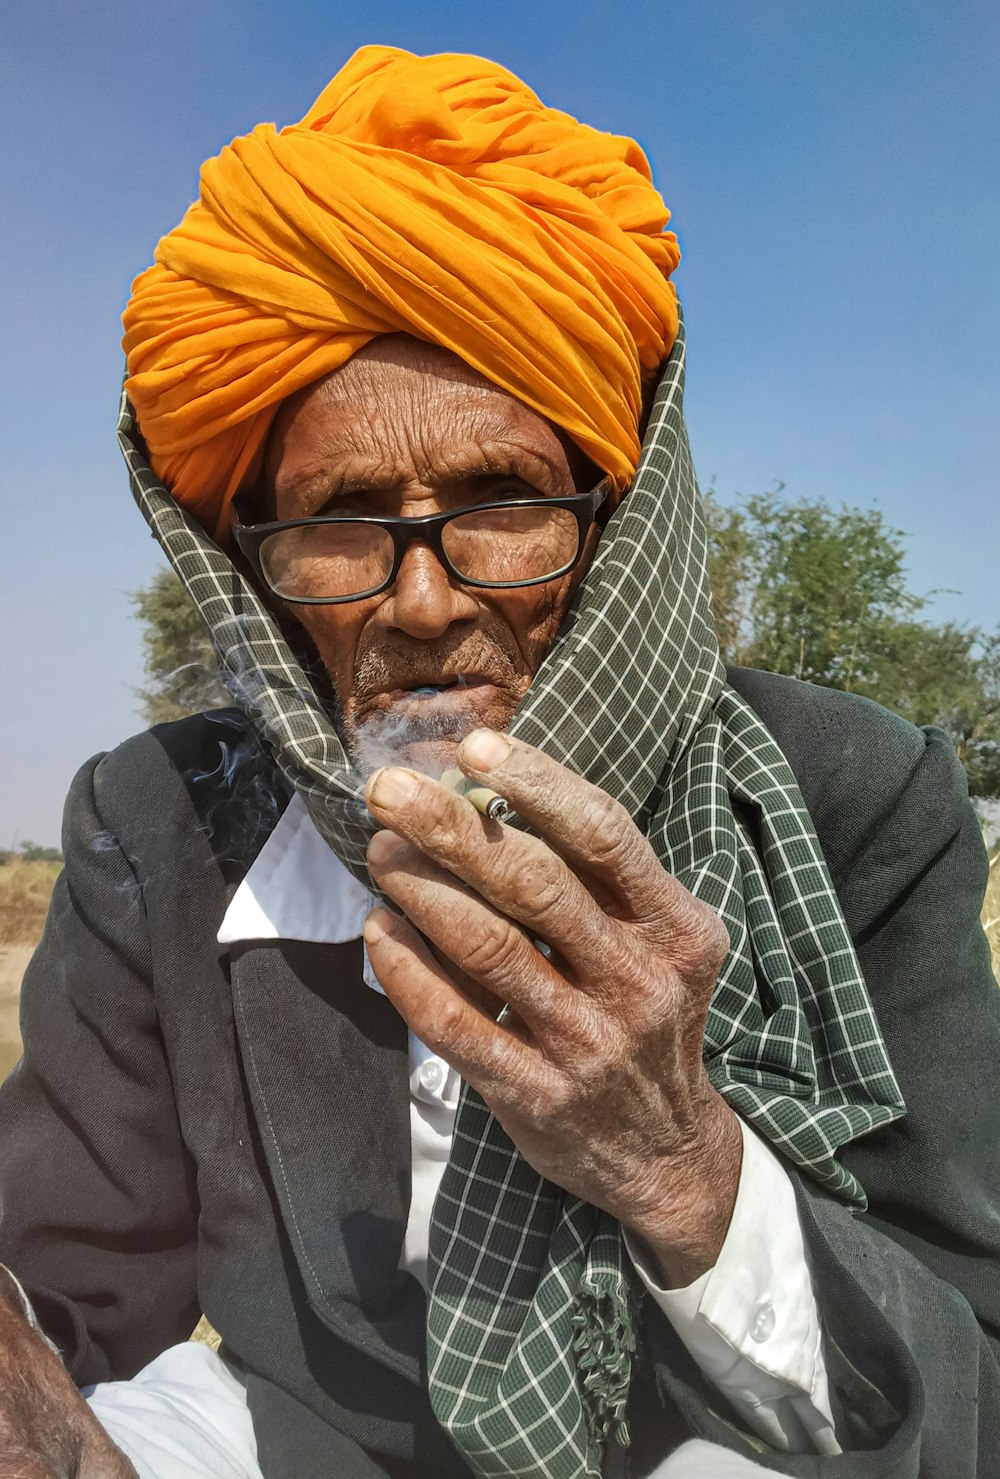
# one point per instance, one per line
(24, 897)
(13, 959)
(25, 889)
(991, 910)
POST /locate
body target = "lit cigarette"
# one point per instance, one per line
(488, 802)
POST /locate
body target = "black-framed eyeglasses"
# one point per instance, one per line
(332, 558)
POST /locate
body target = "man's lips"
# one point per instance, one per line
(423, 680)
(440, 684)
(429, 692)
(475, 694)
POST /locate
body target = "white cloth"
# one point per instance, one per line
(184, 1416)
(697, 1459)
(751, 1322)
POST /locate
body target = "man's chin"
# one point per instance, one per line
(430, 757)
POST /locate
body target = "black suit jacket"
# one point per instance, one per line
(193, 1129)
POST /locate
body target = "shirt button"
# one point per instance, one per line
(762, 1321)
(431, 1075)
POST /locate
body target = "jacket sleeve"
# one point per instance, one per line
(98, 1204)
(909, 1291)
(913, 897)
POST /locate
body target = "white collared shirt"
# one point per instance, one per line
(751, 1323)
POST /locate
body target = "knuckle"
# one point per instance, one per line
(652, 999)
(606, 830)
(707, 941)
(601, 1047)
(582, 1032)
(441, 821)
(447, 1024)
(554, 1101)
(494, 950)
(584, 1073)
(543, 883)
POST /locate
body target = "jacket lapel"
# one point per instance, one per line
(327, 1068)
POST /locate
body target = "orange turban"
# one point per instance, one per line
(434, 196)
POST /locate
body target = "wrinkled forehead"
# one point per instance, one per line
(404, 410)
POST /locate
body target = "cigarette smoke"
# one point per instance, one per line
(386, 738)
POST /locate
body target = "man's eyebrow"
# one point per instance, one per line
(481, 467)
(520, 463)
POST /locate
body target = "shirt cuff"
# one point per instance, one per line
(751, 1323)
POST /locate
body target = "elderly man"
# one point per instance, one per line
(562, 1169)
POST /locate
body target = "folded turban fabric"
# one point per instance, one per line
(434, 196)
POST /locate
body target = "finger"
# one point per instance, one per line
(497, 1061)
(588, 828)
(482, 942)
(518, 874)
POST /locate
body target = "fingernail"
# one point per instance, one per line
(484, 749)
(392, 787)
(376, 925)
(383, 846)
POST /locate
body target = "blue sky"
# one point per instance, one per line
(833, 171)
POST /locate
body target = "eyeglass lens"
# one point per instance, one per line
(496, 545)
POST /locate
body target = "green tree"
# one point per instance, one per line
(799, 587)
(182, 674)
(820, 594)
(733, 559)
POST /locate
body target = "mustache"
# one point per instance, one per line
(387, 665)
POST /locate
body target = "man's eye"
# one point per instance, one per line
(345, 508)
(511, 488)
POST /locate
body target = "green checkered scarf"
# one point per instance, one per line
(533, 1314)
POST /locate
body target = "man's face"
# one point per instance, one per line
(405, 428)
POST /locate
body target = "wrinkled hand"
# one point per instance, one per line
(47, 1431)
(596, 1070)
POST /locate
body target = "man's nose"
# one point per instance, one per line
(425, 600)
